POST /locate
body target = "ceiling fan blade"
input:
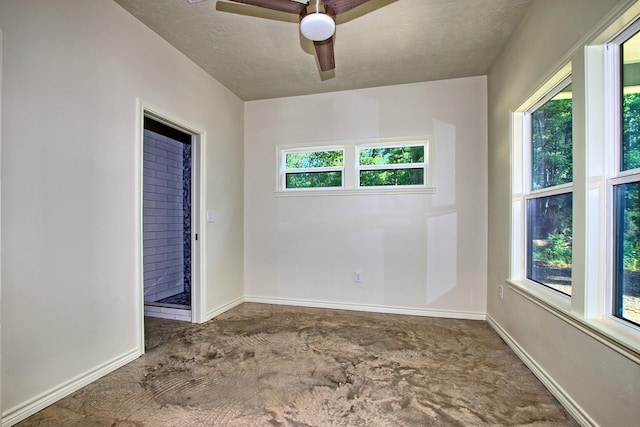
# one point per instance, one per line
(324, 51)
(279, 5)
(341, 6)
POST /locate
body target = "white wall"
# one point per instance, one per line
(418, 253)
(71, 291)
(598, 384)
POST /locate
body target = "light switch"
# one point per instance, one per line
(210, 216)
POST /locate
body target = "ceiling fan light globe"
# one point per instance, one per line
(317, 26)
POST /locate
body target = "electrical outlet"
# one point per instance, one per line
(501, 291)
(357, 277)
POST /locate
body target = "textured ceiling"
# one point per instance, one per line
(259, 53)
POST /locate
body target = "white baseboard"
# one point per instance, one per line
(410, 311)
(554, 388)
(219, 310)
(15, 415)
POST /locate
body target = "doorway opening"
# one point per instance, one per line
(168, 235)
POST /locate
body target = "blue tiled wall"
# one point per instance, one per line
(163, 210)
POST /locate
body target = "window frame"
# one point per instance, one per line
(594, 113)
(284, 170)
(528, 193)
(350, 173)
(615, 176)
(397, 166)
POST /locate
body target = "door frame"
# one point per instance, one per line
(145, 109)
(1, 79)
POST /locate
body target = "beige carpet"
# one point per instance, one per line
(266, 365)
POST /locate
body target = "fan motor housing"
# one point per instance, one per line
(317, 23)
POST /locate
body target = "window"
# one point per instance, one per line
(627, 251)
(590, 278)
(625, 185)
(378, 167)
(549, 195)
(304, 169)
(391, 165)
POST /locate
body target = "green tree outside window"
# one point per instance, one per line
(374, 174)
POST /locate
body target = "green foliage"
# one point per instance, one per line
(382, 177)
(557, 252)
(551, 127)
(552, 143)
(550, 218)
(314, 159)
(392, 155)
(628, 197)
(631, 198)
(552, 165)
(550, 229)
(314, 179)
(631, 131)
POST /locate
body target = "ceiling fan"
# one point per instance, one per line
(317, 21)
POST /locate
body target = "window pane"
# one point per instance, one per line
(549, 240)
(392, 155)
(551, 142)
(630, 152)
(314, 159)
(627, 275)
(314, 180)
(380, 177)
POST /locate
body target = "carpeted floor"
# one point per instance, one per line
(267, 365)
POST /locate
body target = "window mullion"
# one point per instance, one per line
(393, 166)
(314, 170)
(551, 191)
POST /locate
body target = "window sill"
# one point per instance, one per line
(615, 334)
(541, 294)
(354, 192)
